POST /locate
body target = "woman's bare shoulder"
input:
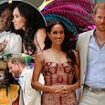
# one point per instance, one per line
(46, 51)
(42, 54)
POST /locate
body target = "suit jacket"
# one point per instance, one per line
(82, 48)
(28, 95)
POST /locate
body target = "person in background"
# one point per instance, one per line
(9, 88)
(20, 71)
(32, 24)
(9, 41)
(5, 19)
(59, 65)
(91, 49)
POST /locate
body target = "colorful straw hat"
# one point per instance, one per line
(70, 26)
(79, 12)
(86, 4)
(76, 15)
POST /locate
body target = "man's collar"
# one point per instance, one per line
(23, 71)
(92, 33)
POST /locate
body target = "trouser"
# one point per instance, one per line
(92, 98)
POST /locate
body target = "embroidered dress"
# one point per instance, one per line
(58, 74)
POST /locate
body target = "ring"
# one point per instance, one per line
(65, 95)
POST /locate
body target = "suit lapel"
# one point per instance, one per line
(24, 80)
(84, 47)
(23, 85)
(86, 53)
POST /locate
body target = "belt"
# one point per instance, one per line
(94, 90)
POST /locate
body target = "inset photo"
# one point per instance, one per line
(22, 27)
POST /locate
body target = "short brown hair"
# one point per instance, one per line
(98, 5)
(16, 60)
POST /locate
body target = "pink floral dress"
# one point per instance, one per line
(58, 74)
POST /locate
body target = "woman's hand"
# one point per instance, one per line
(3, 45)
(60, 89)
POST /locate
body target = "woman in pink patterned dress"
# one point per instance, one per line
(59, 65)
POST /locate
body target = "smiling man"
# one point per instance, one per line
(91, 48)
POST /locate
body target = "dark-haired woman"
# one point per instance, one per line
(59, 65)
(28, 19)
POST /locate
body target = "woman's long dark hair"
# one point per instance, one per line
(66, 45)
(34, 21)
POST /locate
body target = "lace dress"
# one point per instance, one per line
(58, 74)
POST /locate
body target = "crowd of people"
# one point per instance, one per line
(58, 70)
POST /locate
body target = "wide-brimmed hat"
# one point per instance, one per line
(69, 25)
(79, 12)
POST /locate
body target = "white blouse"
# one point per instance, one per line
(14, 42)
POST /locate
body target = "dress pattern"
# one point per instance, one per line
(58, 74)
